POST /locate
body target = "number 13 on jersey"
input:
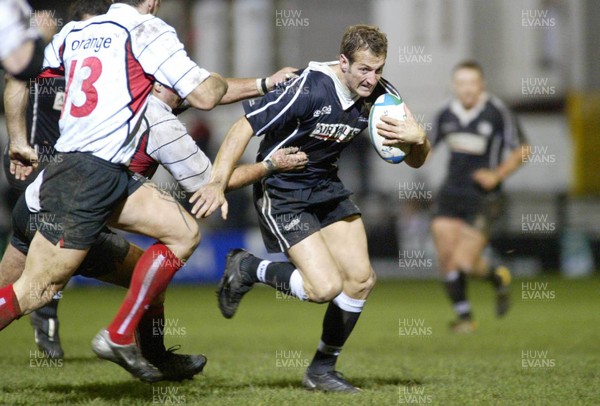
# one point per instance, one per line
(82, 102)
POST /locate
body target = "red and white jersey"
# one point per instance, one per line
(110, 63)
(15, 27)
(166, 142)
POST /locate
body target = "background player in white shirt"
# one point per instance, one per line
(22, 50)
(110, 63)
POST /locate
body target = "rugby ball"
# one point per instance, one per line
(387, 105)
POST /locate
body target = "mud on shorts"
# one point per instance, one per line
(287, 217)
(77, 196)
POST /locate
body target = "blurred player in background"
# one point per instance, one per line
(478, 127)
(22, 50)
(308, 215)
(32, 113)
(22, 55)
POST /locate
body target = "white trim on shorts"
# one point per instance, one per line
(266, 212)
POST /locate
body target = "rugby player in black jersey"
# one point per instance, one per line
(478, 128)
(308, 214)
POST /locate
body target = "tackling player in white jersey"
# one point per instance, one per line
(112, 258)
(110, 63)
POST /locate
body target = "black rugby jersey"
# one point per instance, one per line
(46, 99)
(316, 113)
(477, 139)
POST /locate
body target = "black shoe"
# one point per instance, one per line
(45, 333)
(332, 381)
(504, 278)
(128, 356)
(177, 367)
(234, 284)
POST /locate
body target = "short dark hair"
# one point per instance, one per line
(80, 8)
(361, 37)
(469, 64)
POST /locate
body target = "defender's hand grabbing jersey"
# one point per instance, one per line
(105, 100)
(317, 113)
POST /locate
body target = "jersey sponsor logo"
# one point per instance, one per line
(96, 44)
(322, 111)
(467, 143)
(335, 132)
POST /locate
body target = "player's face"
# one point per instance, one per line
(468, 86)
(363, 73)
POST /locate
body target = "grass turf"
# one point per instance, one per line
(544, 352)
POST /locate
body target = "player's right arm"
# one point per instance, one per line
(23, 158)
(212, 195)
(283, 160)
(208, 94)
(271, 113)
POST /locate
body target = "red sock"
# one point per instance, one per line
(151, 276)
(9, 306)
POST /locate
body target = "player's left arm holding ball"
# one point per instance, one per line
(409, 131)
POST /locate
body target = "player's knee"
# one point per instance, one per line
(187, 241)
(325, 292)
(361, 285)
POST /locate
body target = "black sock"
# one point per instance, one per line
(456, 287)
(150, 333)
(50, 311)
(337, 326)
(493, 277)
(276, 274)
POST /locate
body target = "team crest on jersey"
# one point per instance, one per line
(335, 132)
(322, 111)
(485, 128)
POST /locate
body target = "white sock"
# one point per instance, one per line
(297, 285)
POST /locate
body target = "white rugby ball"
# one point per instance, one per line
(387, 105)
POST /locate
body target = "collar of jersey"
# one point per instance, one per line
(467, 116)
(122, 7)
(343, 93)
(161, 103)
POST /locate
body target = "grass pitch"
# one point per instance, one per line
(545, 352)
